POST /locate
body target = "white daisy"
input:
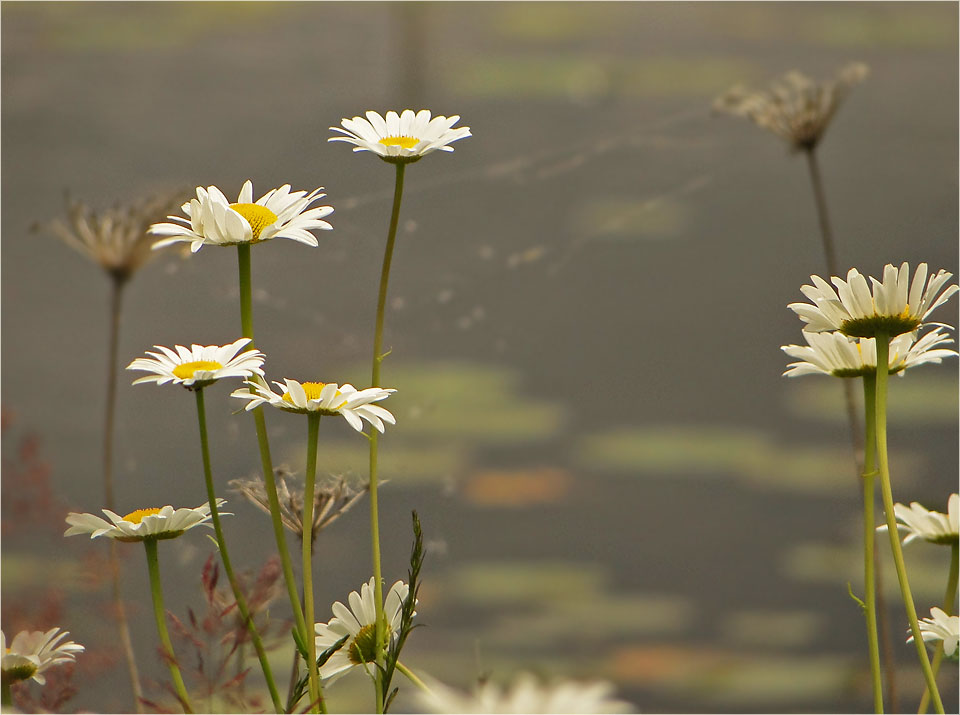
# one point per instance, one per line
(359, 623)
(933, 526)
(401, 138)
(527, 695)
(941, 627)
(32, 652)
(836, 354)
(896, 306)
(212, 219)
(142, 524)
(199, 365)
(326, 398)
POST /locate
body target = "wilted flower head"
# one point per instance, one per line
(331, 499)
(116, 238)
(941, 627)
(837, 355)
(527, 695)
(32, 652)
(795, 107)
(932, 526)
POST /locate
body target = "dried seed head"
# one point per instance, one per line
(795, 107)
(332, 497)
(117, 237)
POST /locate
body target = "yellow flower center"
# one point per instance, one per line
(135, 517)
(188, 369)
(402, 142)
(259, 217)
(312, 389)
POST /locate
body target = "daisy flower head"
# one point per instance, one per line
(325, 398)
(795, 107)
(933, 526)
(30, 653)
(401, 138)
(142, 524)
(837, 355)
(199, 365)
(895, 306)
(527, 695)
(213, 220)
(358, 623)
(941, 627)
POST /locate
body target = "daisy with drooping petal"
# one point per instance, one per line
(932, 526)
(199, 365)
(152, 523)
(30, 653)
(941, 627)
(325, 398)
(527, 695)
(401, 138)
(895, 306)
(213, 220)
(359, 623)
(837, 355)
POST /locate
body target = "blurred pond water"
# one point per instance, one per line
(586, 309)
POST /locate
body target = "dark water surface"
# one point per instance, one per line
(587, 303)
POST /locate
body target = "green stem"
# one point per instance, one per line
(246, 321)
(225, 556)
(6, 696)
(869, 536)
(883, 351)
(153, 565)
(375, 382)
(856, 439)
(413, 677)
(313, 426)
(946, 607)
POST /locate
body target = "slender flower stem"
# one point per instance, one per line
(313, 425)
(6, 697)
(947, 607)
(153, 565)
(117, 284)
(826, 233)
(869, 534)
(856, 439)
(225, 556)
(830, 255)
(246, 322)
(883, 350)
(413, 677)
(375, 382)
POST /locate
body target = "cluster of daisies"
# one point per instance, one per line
(843, 322)
(211, 219)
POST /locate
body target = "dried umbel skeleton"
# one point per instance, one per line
(331, 499)
(795, 107)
